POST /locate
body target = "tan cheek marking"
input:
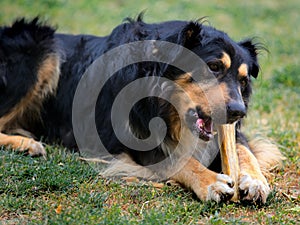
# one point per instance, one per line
(243, 70)
(226, 60)
(225, 91)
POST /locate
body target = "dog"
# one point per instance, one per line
(40, 70)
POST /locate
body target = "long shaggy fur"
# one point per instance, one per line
(267, 153)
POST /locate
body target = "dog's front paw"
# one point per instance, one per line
(36, 149)
(254, 190)
(28, 145)
(221, 190)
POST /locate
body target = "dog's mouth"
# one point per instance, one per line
(200, 125)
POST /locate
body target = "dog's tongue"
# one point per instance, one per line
(206, 126)
(200, 124)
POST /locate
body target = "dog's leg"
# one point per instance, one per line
(253, 185)
(206, 184)
(22, 144)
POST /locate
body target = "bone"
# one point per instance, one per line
(229, 157)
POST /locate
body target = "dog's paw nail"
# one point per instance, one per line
(254, 190)
(230, 184)
(222, 190)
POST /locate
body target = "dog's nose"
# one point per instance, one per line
(235, 111)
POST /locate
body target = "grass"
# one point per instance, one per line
(65, 190)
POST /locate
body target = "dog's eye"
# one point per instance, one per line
(244, 82)
(191, 80)
(216, 67)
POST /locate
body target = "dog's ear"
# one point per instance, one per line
(253, 51)
(189, 36)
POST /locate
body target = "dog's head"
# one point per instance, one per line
(231, 63)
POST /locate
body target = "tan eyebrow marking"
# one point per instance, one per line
(243, 70)
(226, 60)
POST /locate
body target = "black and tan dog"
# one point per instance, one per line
(40, 70)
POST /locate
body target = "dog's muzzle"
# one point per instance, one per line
(235, 111)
